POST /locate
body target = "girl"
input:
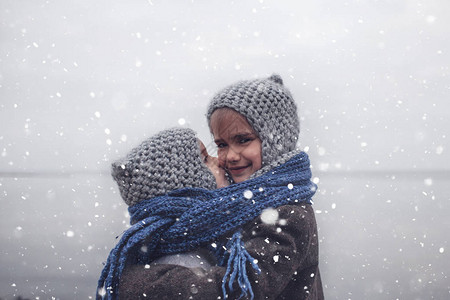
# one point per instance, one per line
(255, 126)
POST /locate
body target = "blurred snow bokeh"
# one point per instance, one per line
(83, 82)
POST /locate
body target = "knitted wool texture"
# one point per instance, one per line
(189, 218)
(165, 162)
(270, 110)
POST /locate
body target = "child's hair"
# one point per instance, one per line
(269, 108)
(165, 162)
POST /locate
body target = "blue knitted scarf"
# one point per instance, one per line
(189, 218)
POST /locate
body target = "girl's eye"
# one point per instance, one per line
(244, 140)
(221, 145)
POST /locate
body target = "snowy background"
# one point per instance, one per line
(82, 82)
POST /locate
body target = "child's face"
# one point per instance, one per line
(239, 148)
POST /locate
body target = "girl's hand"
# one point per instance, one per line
(219, 173)
(213, 165)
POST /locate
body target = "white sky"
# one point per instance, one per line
(78, 78)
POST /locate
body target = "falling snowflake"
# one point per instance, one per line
(102, 292)
(428, 181)
(269, 216)
(248, 194)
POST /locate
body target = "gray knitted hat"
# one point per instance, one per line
(269, 109)
(165, 162)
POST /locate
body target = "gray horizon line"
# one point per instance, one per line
(350, 173)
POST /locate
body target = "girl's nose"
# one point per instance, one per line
(232, 155)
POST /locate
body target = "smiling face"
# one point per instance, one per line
(239, 148)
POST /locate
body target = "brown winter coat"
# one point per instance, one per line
(287, 254)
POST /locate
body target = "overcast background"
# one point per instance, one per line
(82, 82)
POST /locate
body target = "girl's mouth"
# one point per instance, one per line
(237, 170)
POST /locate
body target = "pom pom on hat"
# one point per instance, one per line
(276, 78)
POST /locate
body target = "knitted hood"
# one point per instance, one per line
(269, 109)
(165, 162)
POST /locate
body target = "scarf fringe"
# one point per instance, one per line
(237, 260)
(131, 240)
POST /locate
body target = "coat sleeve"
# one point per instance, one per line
(287, 254)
